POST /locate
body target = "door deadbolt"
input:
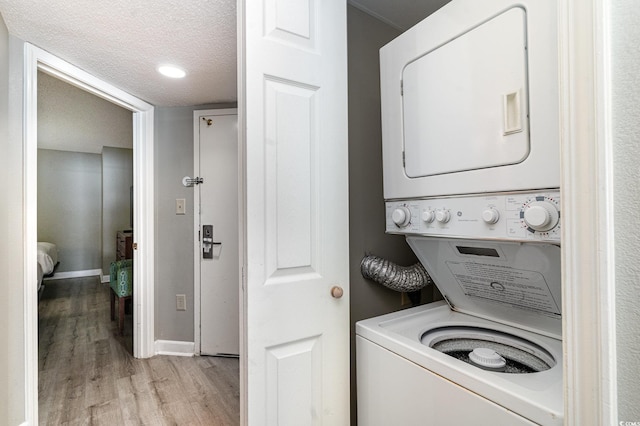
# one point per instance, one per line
(207, 242)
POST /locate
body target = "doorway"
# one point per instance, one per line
(216, 232)
(39, 60)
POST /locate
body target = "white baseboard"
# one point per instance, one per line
(105, 279)
(175, 348)
(75, 274)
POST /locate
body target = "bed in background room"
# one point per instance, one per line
(47, 261)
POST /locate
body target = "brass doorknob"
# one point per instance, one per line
(337, 292)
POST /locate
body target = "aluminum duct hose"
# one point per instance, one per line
(395, 277)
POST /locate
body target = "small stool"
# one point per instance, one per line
(121, 283)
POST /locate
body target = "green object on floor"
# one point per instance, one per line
(121, 277)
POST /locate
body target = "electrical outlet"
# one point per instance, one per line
(181, 302)
(404, 299)
(180, 206)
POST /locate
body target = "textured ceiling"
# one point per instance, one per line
(124, 41)
(401, 14)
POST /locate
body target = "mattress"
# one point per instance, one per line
(47, 257)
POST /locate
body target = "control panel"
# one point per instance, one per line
(523, 216)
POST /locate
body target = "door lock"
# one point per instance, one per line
(207, 242)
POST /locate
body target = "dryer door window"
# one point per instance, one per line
(465, 103)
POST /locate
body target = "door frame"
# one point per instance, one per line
(197, 284)
(588, 249)
(36, 59)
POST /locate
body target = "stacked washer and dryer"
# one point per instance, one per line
(471, 178)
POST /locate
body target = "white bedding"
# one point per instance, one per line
(40, 275)
(47, 257)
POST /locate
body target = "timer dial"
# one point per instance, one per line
(541, 216)
(401, 216)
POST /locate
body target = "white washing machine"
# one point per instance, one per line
(490, 353)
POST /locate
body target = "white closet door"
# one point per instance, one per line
(296, 232)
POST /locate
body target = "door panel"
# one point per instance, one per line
(217, 165)
(296, 195)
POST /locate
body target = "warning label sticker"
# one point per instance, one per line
(503, 284)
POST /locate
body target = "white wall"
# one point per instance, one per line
(625, 16)
(5, 302)
(12, 363)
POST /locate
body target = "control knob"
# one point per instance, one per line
(491, 216)
(428, 216)
(443, 216)
(541, 216)
(401, 216)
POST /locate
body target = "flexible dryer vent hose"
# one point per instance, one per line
(395, 277)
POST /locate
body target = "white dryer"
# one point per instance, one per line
(470, 101)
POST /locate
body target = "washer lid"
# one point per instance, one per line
(517, 284)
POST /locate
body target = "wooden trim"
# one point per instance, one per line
(144, 201)
(242, 202)
(175, 348)
(30, 196)
(75, 274)
(196, 233)
(588, 234)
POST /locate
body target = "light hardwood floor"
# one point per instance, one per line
(87, 375)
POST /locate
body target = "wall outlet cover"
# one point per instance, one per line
(181, 206)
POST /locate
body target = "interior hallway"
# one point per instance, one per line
(87, 375)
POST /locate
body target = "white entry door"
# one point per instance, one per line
(293, 109)
(217, 240)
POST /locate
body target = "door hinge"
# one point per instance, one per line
(198, 235)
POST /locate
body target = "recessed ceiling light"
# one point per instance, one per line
(171, 71)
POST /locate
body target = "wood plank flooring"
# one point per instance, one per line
(87, 375)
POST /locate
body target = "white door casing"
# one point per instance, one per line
(143, 114)
(217, 280)
(293, 104)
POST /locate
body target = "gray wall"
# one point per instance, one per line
(625, 39)
(174, 233)
(117, 179)
(366, 203)
(72, 125)
(72, 119)
(70, 207)
(12, 363)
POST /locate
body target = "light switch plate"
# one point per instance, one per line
(181, 302)
(180, 206)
